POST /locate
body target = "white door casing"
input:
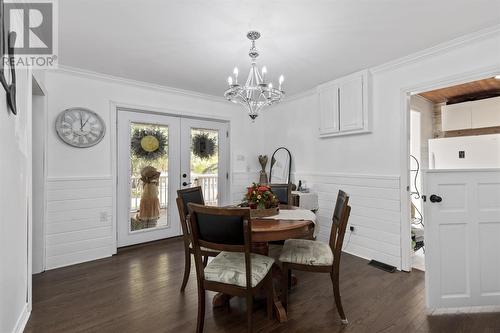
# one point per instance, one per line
(462, 235)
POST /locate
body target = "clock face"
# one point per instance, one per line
(80, 127)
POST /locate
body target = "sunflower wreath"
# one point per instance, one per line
(203, 146)
(149, 144)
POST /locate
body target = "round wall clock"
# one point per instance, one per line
(80, 127)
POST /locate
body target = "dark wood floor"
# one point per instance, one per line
(138, 291)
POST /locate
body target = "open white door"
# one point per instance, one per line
(462, 237)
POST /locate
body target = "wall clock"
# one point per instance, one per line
(80, 127)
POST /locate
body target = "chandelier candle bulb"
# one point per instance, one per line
(282, 78)
(264, 72)
(230, 81)
(235, 72)
(270, 89)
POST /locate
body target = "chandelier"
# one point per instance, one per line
(256, 93)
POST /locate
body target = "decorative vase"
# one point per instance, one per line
(263, 175)
(254, 213)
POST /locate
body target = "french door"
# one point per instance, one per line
(157, 155)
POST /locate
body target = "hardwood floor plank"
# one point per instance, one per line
(138, 291)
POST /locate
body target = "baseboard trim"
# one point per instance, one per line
(23, 319)
(471, 309)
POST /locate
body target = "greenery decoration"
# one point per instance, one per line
(203, 146)
(149, 144)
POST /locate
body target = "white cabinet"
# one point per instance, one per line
(456, 116)
(486, 113)
(344, 105)
(467, 115)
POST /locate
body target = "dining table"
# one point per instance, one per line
(274, 229)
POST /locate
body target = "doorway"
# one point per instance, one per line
(453, 172)
(157, 155)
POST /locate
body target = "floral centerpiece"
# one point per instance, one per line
(261, 200)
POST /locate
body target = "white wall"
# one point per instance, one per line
(80, 185)
(421, 111)
(481, 151)
(355, 161)
(15, 177)
(426, 109)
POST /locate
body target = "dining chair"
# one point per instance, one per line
(283, 192)
(185, 196)
(314, 256)
(234, 271)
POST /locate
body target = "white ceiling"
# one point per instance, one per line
(194, 45)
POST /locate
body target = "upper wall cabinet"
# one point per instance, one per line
(344, 105)
(467, 115)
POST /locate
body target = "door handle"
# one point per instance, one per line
(186, 184)
(435, 198)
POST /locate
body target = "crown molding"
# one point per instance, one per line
(134, 83)
(439, 48)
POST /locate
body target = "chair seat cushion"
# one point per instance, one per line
(229, 267)
(306, 252)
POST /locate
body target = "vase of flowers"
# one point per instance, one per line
(261, 200)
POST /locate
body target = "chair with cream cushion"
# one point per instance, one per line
(234, 271)
(314, 256)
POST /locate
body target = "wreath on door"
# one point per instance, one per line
(203, 146)
(148, 144)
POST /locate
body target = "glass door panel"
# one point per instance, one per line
(204, 163)
(148, 176)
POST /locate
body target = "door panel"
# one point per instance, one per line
(201, 168)
(462, 233)
(454, 273)
(140, 200)
(351, 104)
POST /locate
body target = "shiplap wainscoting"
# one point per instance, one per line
(79, 220)
(375, 214)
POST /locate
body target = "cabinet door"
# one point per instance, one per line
(329, 110)
(486, 113)
(456, 116)
(351, 104)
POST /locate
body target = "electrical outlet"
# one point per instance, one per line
(103, 216)
(351, 228)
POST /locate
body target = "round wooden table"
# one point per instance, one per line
(269, 230)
